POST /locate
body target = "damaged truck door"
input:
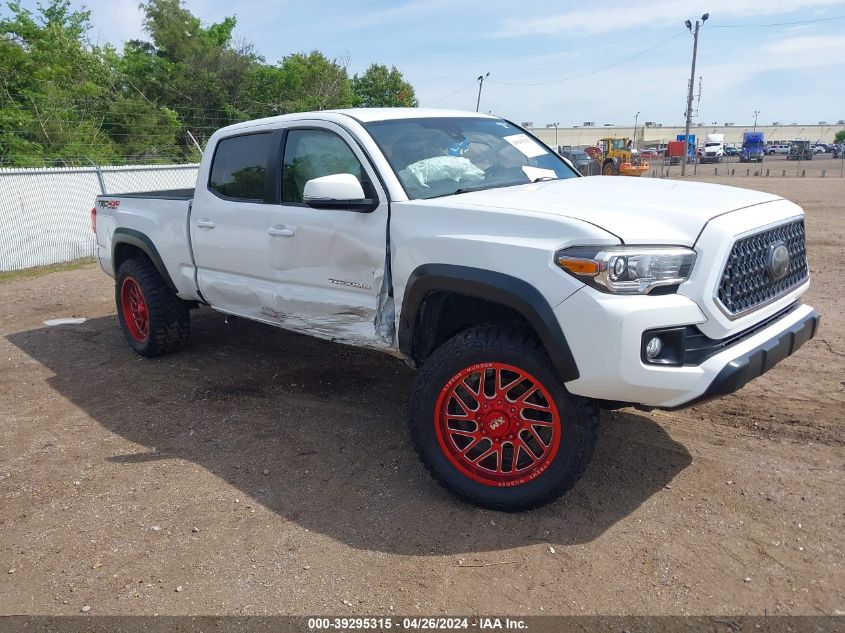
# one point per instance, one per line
(323, 259)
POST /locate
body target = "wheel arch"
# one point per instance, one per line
(431, 286)
(128, 243)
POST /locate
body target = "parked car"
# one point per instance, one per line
(582, 161)
(780, 148)
(732, 151)
(649, 153)
(800, 150)
(527, 296)
(819, 149)
(838, 151)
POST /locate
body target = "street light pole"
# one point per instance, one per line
(636, 117)
(756, 112)
(690, 87)
(480, 81)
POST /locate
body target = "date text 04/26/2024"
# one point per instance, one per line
(416, 624)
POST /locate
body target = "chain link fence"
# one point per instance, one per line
(45, 213)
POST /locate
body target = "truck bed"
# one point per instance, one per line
(162, 194)
(157, 223)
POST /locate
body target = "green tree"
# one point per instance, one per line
(65, 101)
(145, 132)
(312, 81)
(53, 87)
(383, 87)
(198, 72)
(840, 137)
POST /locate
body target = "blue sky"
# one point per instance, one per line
(791, 73)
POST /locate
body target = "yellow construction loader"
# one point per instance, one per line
(616, 158)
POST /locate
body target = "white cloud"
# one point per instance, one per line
(563, 56)
(633, 15)
(821, 48)
(115, 21)
(403, 11)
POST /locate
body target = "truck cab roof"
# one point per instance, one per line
(362, 115)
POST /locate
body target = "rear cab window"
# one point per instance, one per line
(239, 169)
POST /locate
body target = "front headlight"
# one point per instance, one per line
(627, 269)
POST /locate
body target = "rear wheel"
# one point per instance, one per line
(609, 169)
(493, 423)
(153, 319)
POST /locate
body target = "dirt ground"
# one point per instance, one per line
(261, 472)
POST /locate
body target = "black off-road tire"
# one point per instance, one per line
(500, 344)
(609, 169)
(169, 322)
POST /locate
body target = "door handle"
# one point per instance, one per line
(205, 223)
(280, 230)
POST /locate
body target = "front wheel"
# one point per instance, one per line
(494, 424)
(609, 169)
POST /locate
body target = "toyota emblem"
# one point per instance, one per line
(778, 261)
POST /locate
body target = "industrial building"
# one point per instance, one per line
(651, 133)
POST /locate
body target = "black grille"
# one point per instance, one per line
(746, 282)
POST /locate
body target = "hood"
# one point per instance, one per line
(636, 210)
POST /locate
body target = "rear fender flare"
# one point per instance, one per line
(143, 243)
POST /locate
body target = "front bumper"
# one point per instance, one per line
(756, 362)
(608, 352)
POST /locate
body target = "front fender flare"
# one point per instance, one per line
(500, 288)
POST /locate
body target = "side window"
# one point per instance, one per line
(239, 169)
(315, 153)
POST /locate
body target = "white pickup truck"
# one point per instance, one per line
(529, 297)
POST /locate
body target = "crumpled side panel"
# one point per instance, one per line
(385, 321)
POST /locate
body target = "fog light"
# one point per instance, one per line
(653, 348)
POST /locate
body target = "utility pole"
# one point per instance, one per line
(636, 117)
(756, 112)
(480, 81)
(691, 86)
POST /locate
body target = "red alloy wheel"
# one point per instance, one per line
(497, 424)
(134, 310)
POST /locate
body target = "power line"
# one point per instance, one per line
(754, 26)
(428, 103)
(592, 72)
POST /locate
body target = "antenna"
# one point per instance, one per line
(698, 97)
(199, 149)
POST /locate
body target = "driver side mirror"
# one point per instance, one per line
(337, 191)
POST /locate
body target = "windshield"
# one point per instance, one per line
(441, 156)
